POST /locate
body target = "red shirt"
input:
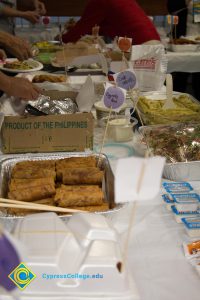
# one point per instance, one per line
(115, 18)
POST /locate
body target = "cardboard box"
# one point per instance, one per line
(70, 132)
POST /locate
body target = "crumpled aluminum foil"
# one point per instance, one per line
(54, 107)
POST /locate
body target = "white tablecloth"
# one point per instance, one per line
(183, 62)
(156, 260)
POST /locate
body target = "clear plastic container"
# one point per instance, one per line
(102, 111)
(179, 216)
(120, 128)
(192, 225)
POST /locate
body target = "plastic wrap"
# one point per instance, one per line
(178, 143)
(150, 65)
(54, 107)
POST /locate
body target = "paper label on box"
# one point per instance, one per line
(134, 180)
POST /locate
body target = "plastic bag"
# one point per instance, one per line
(150, 65)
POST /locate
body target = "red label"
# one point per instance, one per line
(145, 64)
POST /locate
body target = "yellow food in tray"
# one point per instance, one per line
(152, 111)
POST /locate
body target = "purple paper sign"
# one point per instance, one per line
(113, 97)
(9, 260)
(126, 80)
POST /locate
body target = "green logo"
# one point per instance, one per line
(21, 276)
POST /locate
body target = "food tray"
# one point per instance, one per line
(175, 170)
(184, 47)
(187, 171)
(8, 163)
(156, 115)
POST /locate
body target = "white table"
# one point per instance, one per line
(183, 62)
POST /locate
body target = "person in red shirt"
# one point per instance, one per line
(115, 18)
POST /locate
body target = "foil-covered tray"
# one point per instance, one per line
(7, 163)
(179, 143)
(186, 171)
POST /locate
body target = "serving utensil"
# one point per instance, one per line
(169, 93)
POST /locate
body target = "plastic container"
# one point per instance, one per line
(186, 202)
(169, 202)
(86, 247)
(180, 215)
(102, 111)
(177, 187)
(120, 128)
(192, 225)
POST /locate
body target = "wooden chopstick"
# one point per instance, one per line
(8, 203)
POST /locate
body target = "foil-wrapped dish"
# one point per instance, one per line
(48, 106)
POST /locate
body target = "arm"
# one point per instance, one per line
(32, 5)
(18, 87)
(15, 46)
(31, 16)
(93, 15)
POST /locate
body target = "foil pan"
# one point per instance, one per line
(6, 165)
(186, 171)
(158, 117)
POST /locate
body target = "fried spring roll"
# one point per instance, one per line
(88, 195)
(23, 212)
(36, 193)
(93, 208)
(88, 161)
(33, 173)
(18, 184)
(82, 176)
(47, 164)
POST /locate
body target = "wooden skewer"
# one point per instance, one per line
(104, 137)
(7, 203)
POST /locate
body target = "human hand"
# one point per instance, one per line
(22, 88)
(31, 16)
(40, 7)
(18, 47)
(2, 54)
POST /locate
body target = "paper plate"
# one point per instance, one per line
(35, 65)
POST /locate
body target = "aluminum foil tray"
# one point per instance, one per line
(7, 163)
(186, 171)
(152, 118)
